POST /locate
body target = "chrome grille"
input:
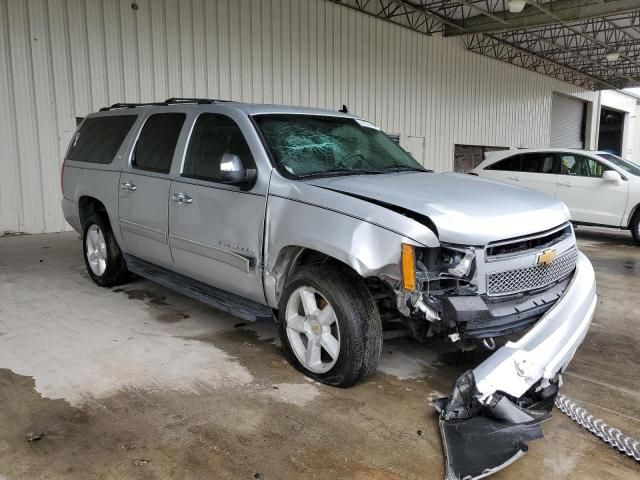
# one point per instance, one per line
(531, 278)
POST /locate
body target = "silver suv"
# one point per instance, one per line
(319, 219)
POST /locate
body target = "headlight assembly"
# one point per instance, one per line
(437, 269)
(458, 262)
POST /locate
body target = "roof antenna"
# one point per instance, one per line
(344, 109)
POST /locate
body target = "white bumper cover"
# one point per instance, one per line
(548, 347)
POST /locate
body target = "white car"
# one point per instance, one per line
(599, 188)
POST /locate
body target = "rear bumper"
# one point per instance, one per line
(548, 347)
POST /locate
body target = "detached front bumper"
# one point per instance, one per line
(494, 409)
(548, 347)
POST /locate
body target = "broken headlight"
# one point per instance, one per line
(457, 262)
(445, 267)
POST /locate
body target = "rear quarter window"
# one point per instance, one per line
(99, 138)
(509, 164)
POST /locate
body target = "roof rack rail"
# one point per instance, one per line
(199, 101)
(130, 105)
(168, 101)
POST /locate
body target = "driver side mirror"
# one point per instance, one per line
(233, 171)
(612, 176)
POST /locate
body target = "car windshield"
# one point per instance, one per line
(316, 145)
(626, 165)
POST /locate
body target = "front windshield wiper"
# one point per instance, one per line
(400, 168)
(339, 171)
(371, 171)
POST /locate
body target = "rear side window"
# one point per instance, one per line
(510, 164)
(213, 136)
(99, 138)
(540, 162)
(157, 142)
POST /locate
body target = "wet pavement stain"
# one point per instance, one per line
(462, 360)
(146, 296)
(235, 431)
(612, 267)
(170, 317)
(225, 433)
(161, 310)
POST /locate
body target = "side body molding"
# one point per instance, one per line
(143, 230)
(363, 235)
(215, 253)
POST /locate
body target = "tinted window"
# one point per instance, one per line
(212, 137)
(510, 164)
(157, 142)
(99, 138)
(540, 162)
(580, 166)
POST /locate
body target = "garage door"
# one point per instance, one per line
(567, 122)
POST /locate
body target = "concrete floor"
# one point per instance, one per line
(139, 382)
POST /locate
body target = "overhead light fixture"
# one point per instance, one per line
(516, 6)
(613, 56)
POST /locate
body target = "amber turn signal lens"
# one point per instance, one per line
(408, 267)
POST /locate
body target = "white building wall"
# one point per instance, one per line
(631, 134)
(60, 59)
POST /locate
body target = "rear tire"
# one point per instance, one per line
(329, 325)
(102, 255)
(634, 226)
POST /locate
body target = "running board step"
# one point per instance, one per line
(220, 299)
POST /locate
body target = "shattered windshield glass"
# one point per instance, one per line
(310, 145)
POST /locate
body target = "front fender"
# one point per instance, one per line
(369, 249)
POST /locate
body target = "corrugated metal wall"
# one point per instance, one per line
(631, 136)
(65, 58)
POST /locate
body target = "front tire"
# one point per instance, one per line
(102, 256)
(634, 226)
(329, 325)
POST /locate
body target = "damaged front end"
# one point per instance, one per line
(479, 439)
(494, 410)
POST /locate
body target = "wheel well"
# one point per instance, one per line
(634, 211)
(291, 258)
(89, 206)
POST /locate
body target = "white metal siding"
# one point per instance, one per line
(631, 135)
(65, 58)
(566, 122)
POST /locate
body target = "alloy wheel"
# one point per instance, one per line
(312, 329)
(96, 250)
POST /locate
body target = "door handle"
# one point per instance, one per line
(565, 184)
(182, 198)
(128, 186)
(516, 179)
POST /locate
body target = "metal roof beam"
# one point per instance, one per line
(581, 32)
(548, 42)
(563, 10)
(400, 12)
(490, 46)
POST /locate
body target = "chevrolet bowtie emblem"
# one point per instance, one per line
(546, 257)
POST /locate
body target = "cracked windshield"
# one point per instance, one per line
(313, 145)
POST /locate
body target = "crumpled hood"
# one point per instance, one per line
(465, 209)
